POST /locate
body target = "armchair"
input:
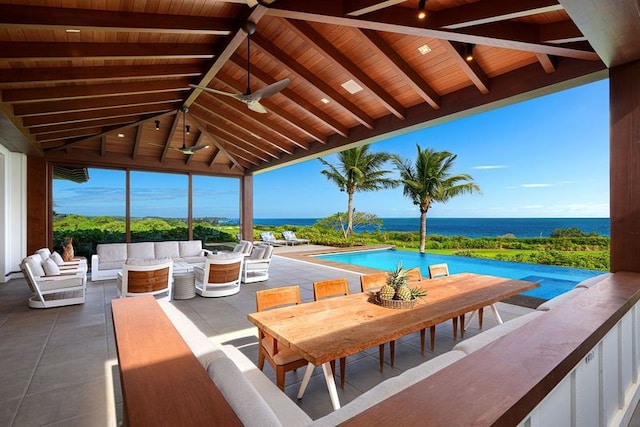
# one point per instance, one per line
(146, 277)
(220, 276)
(52, 290)
(256, 265)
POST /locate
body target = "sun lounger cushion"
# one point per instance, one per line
(472, 344)
(389, 387)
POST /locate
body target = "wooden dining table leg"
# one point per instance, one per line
(381, 356)
(305, 379)
(331, 385)
(455, 328)
(432, 332)
(462, 326)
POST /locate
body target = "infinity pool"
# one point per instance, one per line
(553, 280)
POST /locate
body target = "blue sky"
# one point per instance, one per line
(547, 157)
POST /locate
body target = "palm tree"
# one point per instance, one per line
(358, 170)
(429, 180)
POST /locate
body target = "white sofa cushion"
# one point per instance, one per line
(140, 250)
(50, 267)
(166, 250)
(556, 301)
(190, 248)
(111, 252)
(388, 388)
(240, 394)
(35, 265)
(472, 344)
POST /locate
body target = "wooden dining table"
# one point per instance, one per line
(326, 330)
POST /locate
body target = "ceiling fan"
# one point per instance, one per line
(252, 99)
(185, 129)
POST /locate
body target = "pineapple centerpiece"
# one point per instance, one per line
(397, 289)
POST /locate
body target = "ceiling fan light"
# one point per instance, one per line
(468, 52)
(157, 124)
(187, 128)
(422, 11)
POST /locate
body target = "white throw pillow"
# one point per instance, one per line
(50, 267)
(55, 256)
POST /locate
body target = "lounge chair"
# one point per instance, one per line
(268, 237)
(220, 276)
(290, 238)
(52, 290)
(146, 277)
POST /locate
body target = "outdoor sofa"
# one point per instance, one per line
(258, 402)
(110, 257)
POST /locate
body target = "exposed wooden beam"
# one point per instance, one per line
(214, 155)
(203, 128)
(225, 53)
(81, 125)
(80, 74)
(36, 51)
(71, 133)
(546, 62)
(281, 133)
(104, 20)
(69, 144)
(293, 65)
(561, 32)
(103, 145)
(172, 131)
(235, 151)
(489, 11)
(146, 163)
(470, 68)
(340, 60)
(86, 104)
(418, 84)
(137, 142)
(275, 110)
(60, 118)
(402, 20)
(56, 93)
(362, 7)
(306, 107)
(199, 140)
(243, 143)
(238, 134)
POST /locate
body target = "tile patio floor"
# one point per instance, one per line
(58, 367)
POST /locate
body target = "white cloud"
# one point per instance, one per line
(536, 185)
(490, 167)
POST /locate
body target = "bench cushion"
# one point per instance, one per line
(593, 281)
(112, 252)
(388, 388)
(166, 250)
(477, 342)
(554, 302)
(240, 394)
(190, 248)
(140, 250)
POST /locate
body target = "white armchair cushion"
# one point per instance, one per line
(35, 265)
(50, 267)
(258, 252)
(141, 250)
(44, 253)
(55, 256)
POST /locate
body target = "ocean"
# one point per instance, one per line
(473, 227)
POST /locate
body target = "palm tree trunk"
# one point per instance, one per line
(350, 214)
(423, 231)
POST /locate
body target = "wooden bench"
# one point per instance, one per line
(163, 383)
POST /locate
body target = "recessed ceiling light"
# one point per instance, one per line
(72, 30)
(424, 49)
(351, 87)
(121, 135)
(324, 100)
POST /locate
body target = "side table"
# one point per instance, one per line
(184, 285)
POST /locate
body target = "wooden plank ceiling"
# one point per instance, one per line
(96, 83)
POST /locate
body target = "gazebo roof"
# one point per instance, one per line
(106, 86)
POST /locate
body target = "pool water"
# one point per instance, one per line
(553, 280)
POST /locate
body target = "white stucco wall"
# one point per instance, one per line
(13, 212)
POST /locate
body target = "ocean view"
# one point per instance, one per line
(473, 227)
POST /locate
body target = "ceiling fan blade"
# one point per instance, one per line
(270, 90)
(199, 147)
(218, 92)
(256, 106)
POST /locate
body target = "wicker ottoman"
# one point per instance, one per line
(184, 285)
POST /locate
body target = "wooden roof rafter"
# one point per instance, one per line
(203, 128)
(172, 130)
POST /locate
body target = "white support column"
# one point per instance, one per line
(13, 212)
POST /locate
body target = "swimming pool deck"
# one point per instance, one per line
(59, 366)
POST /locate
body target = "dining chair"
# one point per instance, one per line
(327, 289)
(442, 270)
(282, 359)
(373, 282)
